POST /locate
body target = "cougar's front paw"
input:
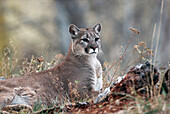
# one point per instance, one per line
(102, 95)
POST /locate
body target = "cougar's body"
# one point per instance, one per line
(80, 73)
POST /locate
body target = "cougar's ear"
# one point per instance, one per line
(97, 28)
(73, 29)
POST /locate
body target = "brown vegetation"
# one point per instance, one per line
(126, 96)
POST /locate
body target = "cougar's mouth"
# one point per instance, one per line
(91, 51)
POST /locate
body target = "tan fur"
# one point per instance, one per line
(79, 73)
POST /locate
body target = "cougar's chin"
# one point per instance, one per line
(92, 51)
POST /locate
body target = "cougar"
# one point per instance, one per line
(79, 75)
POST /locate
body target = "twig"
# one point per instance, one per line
(121, 57)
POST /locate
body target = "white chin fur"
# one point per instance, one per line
(91, 51)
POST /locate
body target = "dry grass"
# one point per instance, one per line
(10, 64)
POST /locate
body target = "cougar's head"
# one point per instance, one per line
(85, 41)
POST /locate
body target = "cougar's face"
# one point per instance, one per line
(86, 41)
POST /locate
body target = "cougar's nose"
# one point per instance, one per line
(93, 46)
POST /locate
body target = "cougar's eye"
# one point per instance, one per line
(85, 40)
(97, 39)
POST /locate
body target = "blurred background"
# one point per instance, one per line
(40, 27)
